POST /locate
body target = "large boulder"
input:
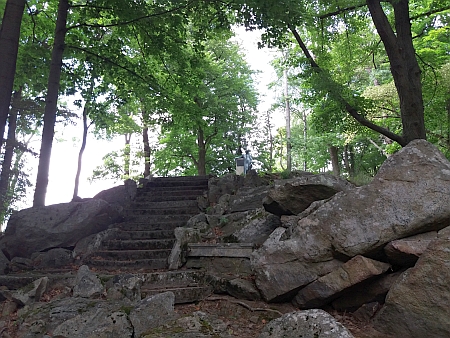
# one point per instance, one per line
(409, 195)
(119, 196)
(55, 226)
(417, 304)
(292, 196)
(309, 324)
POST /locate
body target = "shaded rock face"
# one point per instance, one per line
(60, 225)
(417, 305)
(119, 196)
(410, 195)
(292, 196)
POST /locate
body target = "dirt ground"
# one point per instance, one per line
(246, 319)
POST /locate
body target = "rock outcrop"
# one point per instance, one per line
(55, 226)
(409, 195)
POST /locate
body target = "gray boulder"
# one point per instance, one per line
(307, 324)
(4, 263)
(406, 251)
(96, 322)
(119, 196)
(417, 304)
(292, 196)
(152, 312)
(87, 284)
(60, 225)
(328, 287)
(410, 195)
(52, 259)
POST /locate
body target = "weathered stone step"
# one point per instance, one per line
(192, 210)
(175, 183)
(125, 255)
(147, 244)
(144, 234)
(183, 295)
(129, 265)
(157, 219)
(175, 278)
(187, 195)
(152, 226)
(164, 204)
(183, 178)
(174, 189)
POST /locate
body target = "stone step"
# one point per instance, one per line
(171, 190)
(183, 178)
(157, 219)
(183, 295)
(130, 255)
(146, 244)
(128, 265)
(144, 234)
(151, 226)
(158, 183)
(192, 210)
(164, 204)
(180, 196)
(176, 278)
(243, 250)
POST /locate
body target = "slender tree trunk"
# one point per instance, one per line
(349, 165)
(9, 46)
(404, 66)
(5, 192)
(288, 121)
(334, 160)
(147, 151)
(201, 164)
(305, 140)
(127, 155)
(51, 102)
(80, 153)
(269, 130)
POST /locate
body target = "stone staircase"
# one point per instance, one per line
(144, 240)
(141, 244)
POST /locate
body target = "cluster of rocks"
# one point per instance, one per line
(380, 251)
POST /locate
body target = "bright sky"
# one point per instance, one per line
(64, 158)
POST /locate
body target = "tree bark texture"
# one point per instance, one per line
(9, 46)
(147, 151)
(334, 160)
(404, 66)
(5, 193)
(80, 153)
(51, 102)
(201, 164)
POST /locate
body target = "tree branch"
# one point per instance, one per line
(117, 65)
(348, 107)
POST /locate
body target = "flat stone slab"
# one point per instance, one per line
(220, 250)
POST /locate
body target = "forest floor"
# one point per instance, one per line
(246, 319)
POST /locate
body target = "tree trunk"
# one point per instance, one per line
(348, 161)
(51, 102)
(9, 46)
(288, 122)
(360, 118)
(80, 153)
(147, 151)
(127, 155)
(334, 160)
(5, 193)
(201, 164)
(404, 67)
